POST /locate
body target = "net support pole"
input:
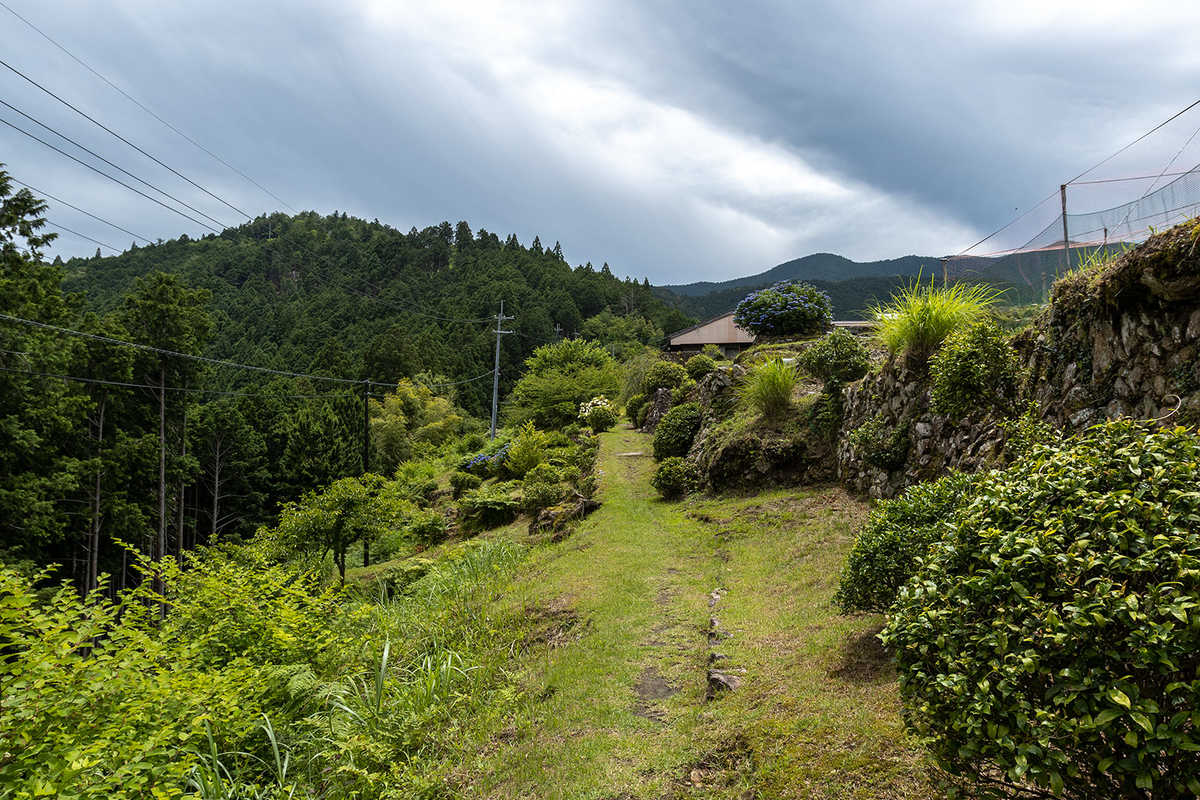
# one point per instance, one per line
(1062, 191)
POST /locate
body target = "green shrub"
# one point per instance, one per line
(699, 365)
(897, 534)
(489, 506)
(1027, 432)
(559, 377)
(599, 414)
(541, 489)
(713, 352)
(975, 368)
(633, 407)
(674, 478)
(768, 388)
(1052, 638)
(642, 414)
(662, 375)
(426, 527)
(919, 319)
(785, 309)
(527, 450)
(836, 359)
(396, 579)
(462, 482)
(880, 444)
(676, 431)
(682, 392)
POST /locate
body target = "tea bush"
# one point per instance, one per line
(662, 375)
(713, 352)
(634, 406)
(975, 368)
(897, 535)
(676, 431)
(836, 359)
(541, 489)
(674, 478)
(784, 309)
(462, 482)
(1052, 639)
(699, 365)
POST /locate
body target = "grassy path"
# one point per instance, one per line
(638, 603)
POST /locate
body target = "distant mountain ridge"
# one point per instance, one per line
(818, 266)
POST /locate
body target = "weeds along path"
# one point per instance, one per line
(644, 602)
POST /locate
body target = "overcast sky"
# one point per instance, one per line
(674, 140)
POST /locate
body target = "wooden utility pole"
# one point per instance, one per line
(500, 318)
(1062, 191)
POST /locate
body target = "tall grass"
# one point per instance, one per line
(919, 318)
(768, 388)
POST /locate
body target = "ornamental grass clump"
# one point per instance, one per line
(768, 388)
(785, 309)
(919, 318)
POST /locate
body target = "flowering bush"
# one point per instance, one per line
(783, 309)
(598, 414)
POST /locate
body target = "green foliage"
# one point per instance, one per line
(561, 377)
(836, 359)
(348, 511)
(682, 392)
(1027, 432)
(599, 414)
(713, 352)
(769, 387)
(699, 365)
(1049, 640)
(526, 451)
(408, 418)
(633, 407)
(489, 506)
(918, 319)
(897, 535)
(542, 489)
(880, 444)
(976, 368)
(784, 309)
(461, 482)
(674, 478)
(676, 431)
(426, 526)
(662, 375)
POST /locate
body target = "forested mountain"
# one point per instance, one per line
(132, 427)
(824, 267)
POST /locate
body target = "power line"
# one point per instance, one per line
(81, 236)
(142, 107)
(80, 210)
(110, 177)
(123, 139)
(111, 164)
(182, 389)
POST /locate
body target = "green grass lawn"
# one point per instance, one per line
(615, 682)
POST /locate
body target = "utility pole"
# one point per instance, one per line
(1062, 191)
(366, 457)
(945, 273)
(500, 318)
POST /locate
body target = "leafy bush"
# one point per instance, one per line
(663, 375)
(489, 506)
(682, 392)
(527, 450)
(699, 365)
(1052, 638)
(676, 431)
(975, 368)
(713, 352)
(898, 533)
(880, 444)
(768, 388)
(599, 414)
(541, 489)
(674, 478)
(785, 309)
(836, 359)
(633, 407)
(462, 482)
(1027, 432)
(918, 319)
(559, 377)
(426, 527)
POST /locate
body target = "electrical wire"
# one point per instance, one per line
(142, 107)
(77, 208)
(181, 389)
(111, 164)
(123, 139)
(81, 236)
